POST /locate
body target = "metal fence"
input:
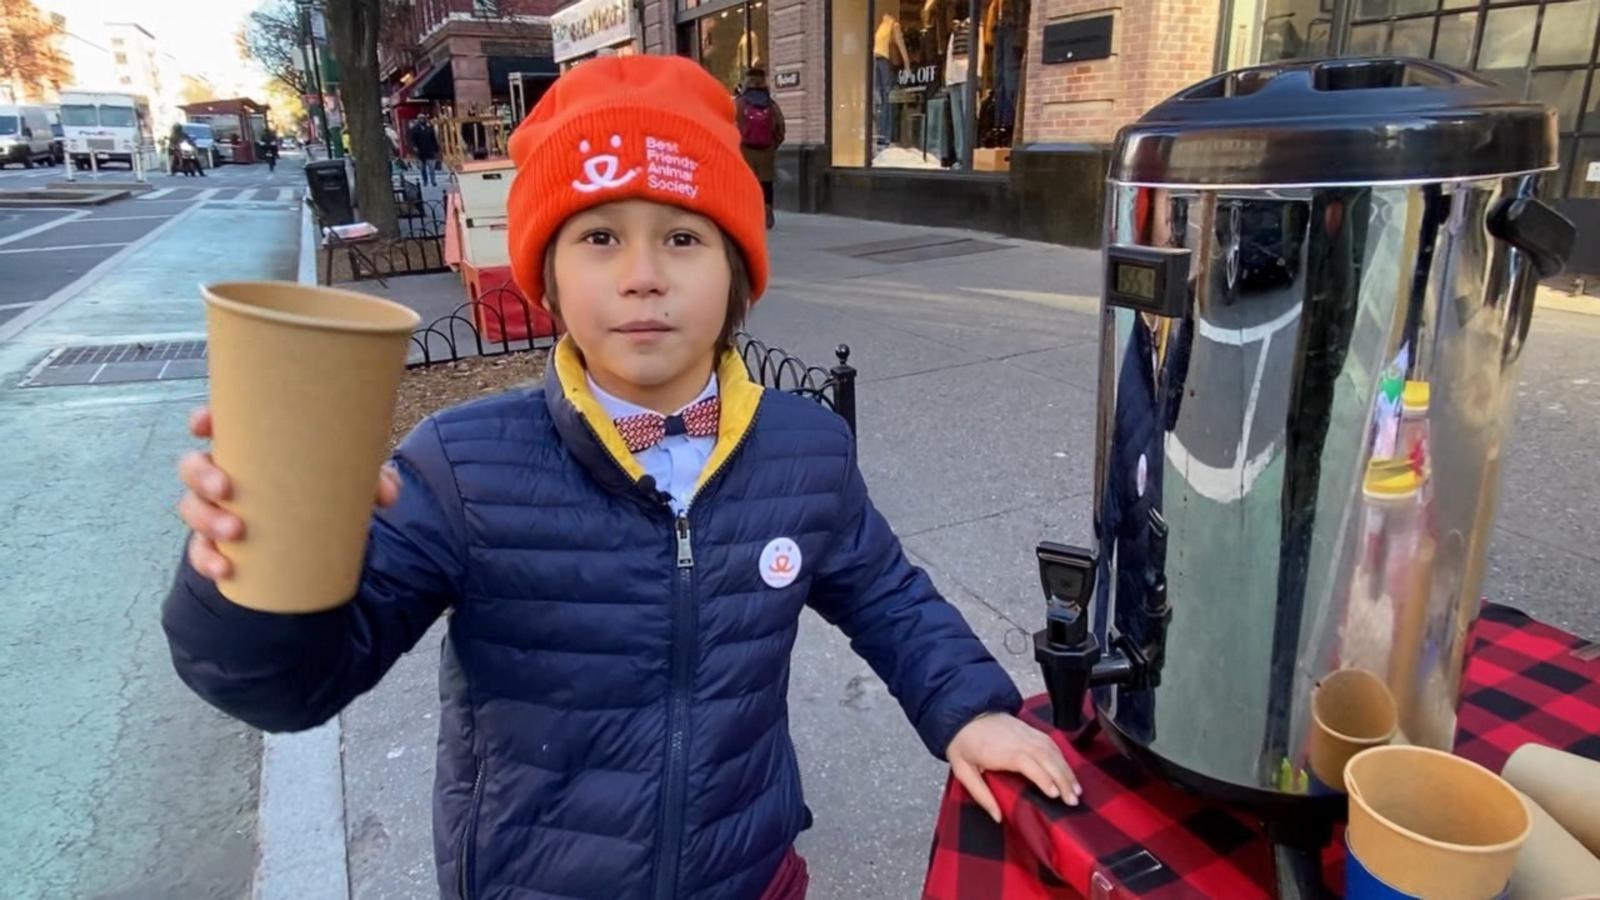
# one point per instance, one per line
(418, 249)
(471, 329)
(776, 368)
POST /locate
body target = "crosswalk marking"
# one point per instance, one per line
(246, 194)
(155, 195)
(287, 195)
(206, 194)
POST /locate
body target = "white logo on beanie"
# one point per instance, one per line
(671, 170)
(601, 169)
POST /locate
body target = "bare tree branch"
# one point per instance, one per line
(272, 37)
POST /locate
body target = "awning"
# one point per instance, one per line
(438, 83)
(501, 67)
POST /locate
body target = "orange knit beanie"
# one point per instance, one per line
(656, 128)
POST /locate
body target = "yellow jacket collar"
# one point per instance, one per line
(740, 399)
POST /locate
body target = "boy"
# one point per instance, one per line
(624, 555)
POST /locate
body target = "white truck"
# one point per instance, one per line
(104, 127)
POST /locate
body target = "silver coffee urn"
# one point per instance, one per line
(1319, 278)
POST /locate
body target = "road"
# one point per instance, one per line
(78, 239)
(118, 782)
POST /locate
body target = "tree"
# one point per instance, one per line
(353, 29)
(272, 37)
(31, 61)
(288, 109)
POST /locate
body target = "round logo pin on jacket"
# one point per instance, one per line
(780, 563)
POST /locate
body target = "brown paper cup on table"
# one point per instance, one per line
(1567, 786)
(303, 387)
(1553, 865)
(1434, 825)
(1351, 711)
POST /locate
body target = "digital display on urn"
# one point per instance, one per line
(1136, 281)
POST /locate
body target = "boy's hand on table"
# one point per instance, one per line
(997, 742)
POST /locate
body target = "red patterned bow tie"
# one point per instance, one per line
(645, 430)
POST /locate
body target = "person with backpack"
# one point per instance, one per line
(761, 132)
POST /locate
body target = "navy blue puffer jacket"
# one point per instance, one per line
(614, 679)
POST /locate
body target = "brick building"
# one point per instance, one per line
(999, 114)
(459, 56)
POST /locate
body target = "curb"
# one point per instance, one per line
(54, 197)
(1577, 304)
(300, 819)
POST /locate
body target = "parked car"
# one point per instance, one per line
(205, 142)
(25, 136)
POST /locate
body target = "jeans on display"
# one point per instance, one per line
(1008, 73)
(882, 82)
(959, 115)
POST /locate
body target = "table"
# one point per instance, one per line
(1138, 836)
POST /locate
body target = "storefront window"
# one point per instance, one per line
(943, 79)
(727, 42)
(848, 80)
(1568, 34)
(1453, 46)
(1295, 29)
(1563, 90)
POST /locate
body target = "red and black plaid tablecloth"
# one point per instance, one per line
(1137, 836)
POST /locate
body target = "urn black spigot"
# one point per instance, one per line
(1070, 656)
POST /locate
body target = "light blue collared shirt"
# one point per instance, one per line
(676, 462)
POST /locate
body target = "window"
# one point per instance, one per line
(8, 124)
(919, 84)
(727, 42)
(116, 116)
(1539, 49)
(125, 80)
(122, 59)
(1295, 29)
(79, 116)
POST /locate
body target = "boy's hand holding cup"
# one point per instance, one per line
(303, 388)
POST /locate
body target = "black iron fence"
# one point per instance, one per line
(418, 248)
(501, 322)
(775, 368)
(496, 323)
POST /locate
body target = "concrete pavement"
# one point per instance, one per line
(976, 401)
(118, 781)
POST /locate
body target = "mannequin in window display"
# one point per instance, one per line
(887, 40)
(1001, 63)
(957, 58)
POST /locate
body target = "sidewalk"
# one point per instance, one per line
(976, 402)
(990, 352)
(118, 781)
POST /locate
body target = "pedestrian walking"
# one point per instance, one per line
(624, 553)
(761, 132)
(425, 144)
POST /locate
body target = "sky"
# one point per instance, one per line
(200, 35)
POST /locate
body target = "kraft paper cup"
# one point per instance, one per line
(1429, 824)
(1567, 786)
(1351, 711)
(1553, 865)
(303, 387)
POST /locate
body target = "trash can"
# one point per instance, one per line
(330, 191)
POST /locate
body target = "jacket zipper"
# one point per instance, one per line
(685, 625)
(469, 837)
(685, 618)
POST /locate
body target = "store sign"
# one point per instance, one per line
(588, 25)
(784, 81)
(920, 77)
(1078, 41)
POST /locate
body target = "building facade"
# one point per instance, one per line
(458, 57)
(1000, 114)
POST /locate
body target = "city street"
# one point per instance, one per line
(76, 240)
(118, 783)
(976, 412)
